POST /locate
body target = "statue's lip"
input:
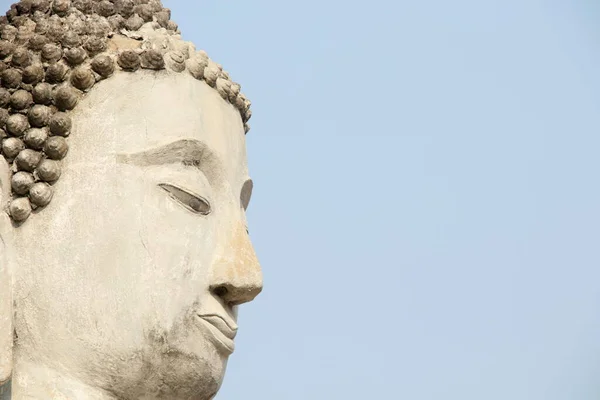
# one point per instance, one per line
(223, 331)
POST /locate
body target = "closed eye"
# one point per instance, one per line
(192, 202)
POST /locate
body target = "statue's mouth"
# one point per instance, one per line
(222, 330)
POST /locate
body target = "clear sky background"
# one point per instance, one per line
(427, 196)
(427, 199)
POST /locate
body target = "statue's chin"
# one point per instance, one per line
(174, 373)
(181, 364)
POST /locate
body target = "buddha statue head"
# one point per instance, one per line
(124, 250)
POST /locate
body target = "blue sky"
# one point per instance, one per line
(426, 206)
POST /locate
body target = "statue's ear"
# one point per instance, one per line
(6, 277)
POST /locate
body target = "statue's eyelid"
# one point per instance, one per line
(193, 202)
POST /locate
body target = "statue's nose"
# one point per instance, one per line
(237, 276)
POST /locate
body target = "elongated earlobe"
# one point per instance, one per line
(6, 320)
(6, 281)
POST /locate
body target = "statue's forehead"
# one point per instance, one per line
(136, 112)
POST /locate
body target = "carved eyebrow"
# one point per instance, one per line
(186, 151)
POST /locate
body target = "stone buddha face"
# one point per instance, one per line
(126, 285)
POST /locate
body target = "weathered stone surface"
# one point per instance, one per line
(123, 180)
